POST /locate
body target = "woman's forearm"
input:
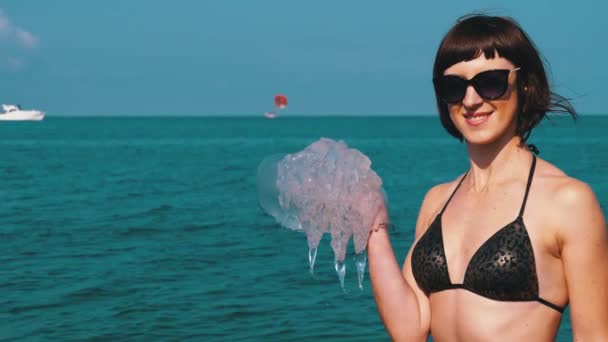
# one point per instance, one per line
(396, 301)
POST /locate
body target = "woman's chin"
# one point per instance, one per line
(480, 139)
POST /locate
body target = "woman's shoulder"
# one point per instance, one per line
(445, 188)
(561, 187)
(439, 193)
(434, 200)
(571, 199)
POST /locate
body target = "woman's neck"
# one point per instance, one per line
(497, 162)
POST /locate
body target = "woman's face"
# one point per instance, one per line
(482, 121)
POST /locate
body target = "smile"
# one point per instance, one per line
(476, 119)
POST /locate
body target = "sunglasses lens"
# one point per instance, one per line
(451, 88)
(491, 84)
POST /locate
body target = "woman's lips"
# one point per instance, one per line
(476, 119)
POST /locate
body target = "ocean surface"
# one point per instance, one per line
(149, 229)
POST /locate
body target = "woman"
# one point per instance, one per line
(501, 250)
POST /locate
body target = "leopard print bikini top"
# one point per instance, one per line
(503, 268)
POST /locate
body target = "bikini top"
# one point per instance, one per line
(503, 268)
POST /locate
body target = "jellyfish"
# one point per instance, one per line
(327, 188)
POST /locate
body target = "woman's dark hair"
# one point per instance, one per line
(476, 34)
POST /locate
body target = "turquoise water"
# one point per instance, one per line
(148, 228)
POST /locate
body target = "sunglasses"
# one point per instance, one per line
(490, 85)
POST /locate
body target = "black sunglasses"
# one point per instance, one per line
(490, 85)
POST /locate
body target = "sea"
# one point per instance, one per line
(149, 228)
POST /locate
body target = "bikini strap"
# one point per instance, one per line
(551, 305)
(530, 176)
(453, 192)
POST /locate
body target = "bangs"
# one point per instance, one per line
(470, 38)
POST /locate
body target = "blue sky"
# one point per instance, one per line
(222, 57)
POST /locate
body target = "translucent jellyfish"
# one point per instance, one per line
(325, 188)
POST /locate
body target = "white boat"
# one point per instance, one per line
(15, 113)
(270, 115)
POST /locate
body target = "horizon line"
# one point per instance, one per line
(553, 115)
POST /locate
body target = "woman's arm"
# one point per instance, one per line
(403, 307)
(584, 245)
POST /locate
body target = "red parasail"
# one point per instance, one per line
(280, 101)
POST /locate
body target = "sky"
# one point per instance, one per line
(230, 57)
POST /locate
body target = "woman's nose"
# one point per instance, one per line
(471, 98)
